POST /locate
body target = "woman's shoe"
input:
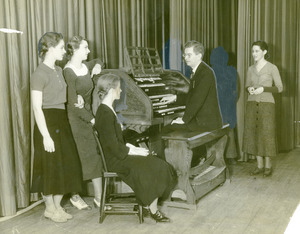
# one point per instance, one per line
(79, 203)
(267, 172)
(64, 214)
(55, 216)
(97, 205)
(257, 171)
(159, 217)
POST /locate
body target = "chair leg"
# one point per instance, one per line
(140, 214)
(103, 198)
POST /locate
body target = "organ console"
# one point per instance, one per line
(146, 84)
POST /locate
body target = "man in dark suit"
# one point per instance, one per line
(202, 111)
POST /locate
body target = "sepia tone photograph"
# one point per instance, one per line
(150, 116)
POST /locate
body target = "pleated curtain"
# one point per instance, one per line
(277, 23)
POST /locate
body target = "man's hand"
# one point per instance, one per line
(169, 99)
(177, 121)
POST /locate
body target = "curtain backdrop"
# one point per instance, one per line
(297, 91)
(14, 109)
(274, 21)
(212, 22)
(108, 25)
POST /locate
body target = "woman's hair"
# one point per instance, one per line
(73, 44)
(263, 46)
(198, 47)
(103, 85)
(49, 39)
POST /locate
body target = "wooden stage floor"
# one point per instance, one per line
(246, 205)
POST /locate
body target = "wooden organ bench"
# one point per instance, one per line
(196, 181)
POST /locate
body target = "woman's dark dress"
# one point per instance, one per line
(80, 120)
(149, 177)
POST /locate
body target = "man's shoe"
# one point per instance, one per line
(79, 203)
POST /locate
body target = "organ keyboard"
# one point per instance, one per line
(146, 84)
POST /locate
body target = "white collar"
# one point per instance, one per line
(78, 71)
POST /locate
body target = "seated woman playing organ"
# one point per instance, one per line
(149, 177)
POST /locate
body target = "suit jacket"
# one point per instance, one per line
(202, 111)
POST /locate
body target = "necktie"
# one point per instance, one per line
(192, 82)
(192, 74)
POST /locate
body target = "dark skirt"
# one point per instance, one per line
(259, 133)
(58, 172)
(91, 162)
(149, 177)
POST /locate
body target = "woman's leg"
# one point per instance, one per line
(57, 200)
(260, 162)
(260, 166)
(97, 182)
(49, 203)
(153, 206)
(268, 167)
(268, 163)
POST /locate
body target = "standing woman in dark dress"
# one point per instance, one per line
(78, 75)
(263, 79)
(57, 168)
(149, 177)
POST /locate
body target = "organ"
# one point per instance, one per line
(146, 84)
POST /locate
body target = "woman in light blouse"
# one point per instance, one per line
(263, 79)
(56, 168)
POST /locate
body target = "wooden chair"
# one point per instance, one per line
(118, 203)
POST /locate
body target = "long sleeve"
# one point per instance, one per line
(272, 89)
(197, 97)
(110, 134)
(248, 79)
(83, 113)
(277, 78)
